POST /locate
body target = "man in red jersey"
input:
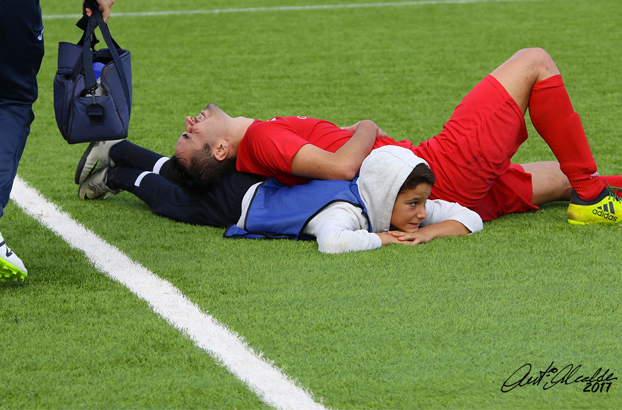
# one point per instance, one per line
(471, 156)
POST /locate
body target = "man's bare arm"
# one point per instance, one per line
(316, 163)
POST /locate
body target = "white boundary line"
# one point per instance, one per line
(290, 8)
(269, 383)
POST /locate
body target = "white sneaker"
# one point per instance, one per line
(12, 268)
(94, 186)
(96, 156)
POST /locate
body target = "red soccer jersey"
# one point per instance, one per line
(268, 147)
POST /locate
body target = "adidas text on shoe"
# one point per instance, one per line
(95, 157)
(12, 268)
(604, 209)
(95, 186)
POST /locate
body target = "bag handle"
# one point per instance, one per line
(89, 40)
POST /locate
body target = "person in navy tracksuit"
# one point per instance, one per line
(21, 52)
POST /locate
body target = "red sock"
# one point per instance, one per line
(559, 125)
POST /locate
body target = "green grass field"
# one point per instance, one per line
(441, 325)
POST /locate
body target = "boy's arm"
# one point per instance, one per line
(429, 232)
(340, 228)
(315, 163)
(443, 219)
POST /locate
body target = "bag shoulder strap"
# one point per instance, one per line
(89, 40)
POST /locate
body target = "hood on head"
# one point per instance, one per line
(382, 175)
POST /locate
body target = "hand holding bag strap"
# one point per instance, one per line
(84, 21)
(89, 32)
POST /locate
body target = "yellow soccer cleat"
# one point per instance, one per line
(604, 209)
(12, 268)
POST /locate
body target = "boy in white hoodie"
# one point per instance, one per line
(348, 216)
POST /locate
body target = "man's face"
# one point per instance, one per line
(409, 208)
(206, 128)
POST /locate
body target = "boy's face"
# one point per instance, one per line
(409, 208)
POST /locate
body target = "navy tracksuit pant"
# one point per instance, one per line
(21, 52)
(220, 206)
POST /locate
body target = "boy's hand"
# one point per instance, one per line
(411, 238)
(387, 239)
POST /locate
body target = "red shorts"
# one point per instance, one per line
(471, 156)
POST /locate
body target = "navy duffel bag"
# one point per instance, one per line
(88, 108)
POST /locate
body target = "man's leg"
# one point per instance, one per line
(104, 154)
(162, 196)
(221, 206)
(524, 188)
(15, 120)
(143, 173)
(550, 184)
(21, 52)
(533, 80)
(131, 155)
(474, 150)
(108, 167)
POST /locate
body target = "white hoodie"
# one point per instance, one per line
(342, 227)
